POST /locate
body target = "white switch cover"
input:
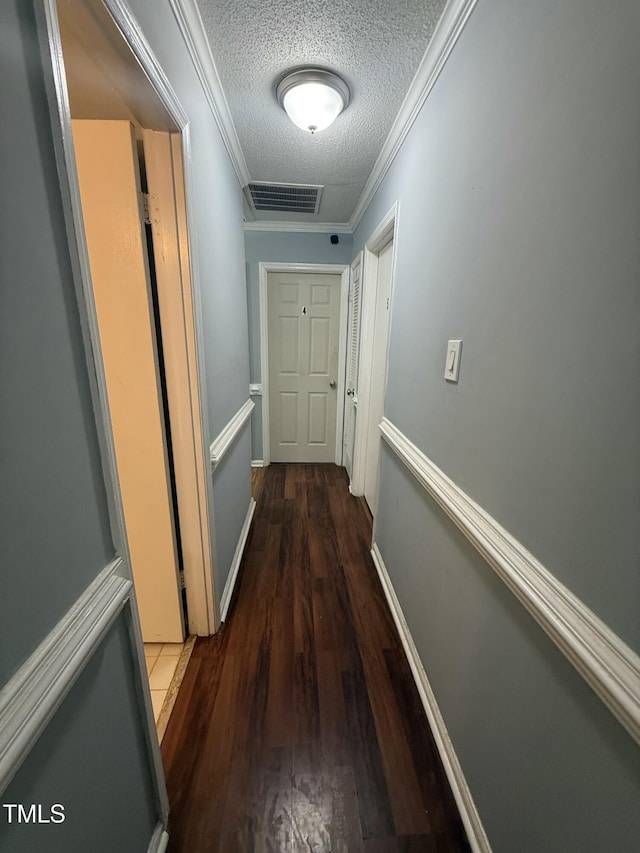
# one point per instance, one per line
(452, 364)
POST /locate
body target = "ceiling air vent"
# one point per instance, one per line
(284, 198)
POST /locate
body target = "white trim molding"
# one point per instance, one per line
(386, 230)
(32, 696)
(447, 32)
(300, 227)
(235, 563)
(230, 432)
(159, 839)
(466, 806)
(195, 37)
(138, 44)
(605, 662)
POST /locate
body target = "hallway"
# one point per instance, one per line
(298, 726)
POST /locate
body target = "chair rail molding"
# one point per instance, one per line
(230, 432)
(35, 692)
(606, 663)
(459, 788)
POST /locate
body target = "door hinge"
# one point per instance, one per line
(183, 584)
(146, 213)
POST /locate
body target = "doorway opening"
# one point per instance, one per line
(376, 302)
(125, 138)
(303, 330)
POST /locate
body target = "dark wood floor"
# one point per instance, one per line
(298, 726)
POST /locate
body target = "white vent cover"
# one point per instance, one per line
(285, 198)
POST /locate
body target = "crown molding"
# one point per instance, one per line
(193, 32)
(447, 32)
(300, 227)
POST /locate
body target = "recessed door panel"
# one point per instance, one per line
(318, 418)
(319, 346)
(289, 345)
(320, 294)
(288, 416)
(289, 294)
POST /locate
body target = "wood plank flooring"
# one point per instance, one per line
(298, 726)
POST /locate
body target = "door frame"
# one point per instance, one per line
(386, 231)
(60, 118)
(198, 581)
(265, 267)
(358, 262)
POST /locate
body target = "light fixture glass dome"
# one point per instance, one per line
(312, 97)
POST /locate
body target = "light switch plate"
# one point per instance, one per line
(255, 389)
(452, 364)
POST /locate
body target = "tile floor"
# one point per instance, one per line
(162, 662)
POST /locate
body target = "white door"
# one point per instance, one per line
(107, 161)
(303, 312)
(167, 212)
(378, 375)
(351, 392)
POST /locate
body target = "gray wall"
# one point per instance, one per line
(90, 759)
(232, 483)
(54, 525)
(217, 201)
(287, 248)
(518, 232)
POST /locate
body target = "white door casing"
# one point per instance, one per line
(304, 317)
(130, 84)
(120, 26)
(353, 340)
(386, 231)
(378, 375)
(266, 267)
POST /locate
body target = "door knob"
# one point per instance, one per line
(349, 392)
(332, 384)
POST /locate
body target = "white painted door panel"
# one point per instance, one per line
(303, 329)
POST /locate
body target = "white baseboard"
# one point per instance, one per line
(159, 840)
(468, 811)
(225, 601)
(601, 657)
(257, 463)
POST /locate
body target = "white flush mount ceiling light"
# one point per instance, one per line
(313, 98)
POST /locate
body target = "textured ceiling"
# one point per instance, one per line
(375, 45)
